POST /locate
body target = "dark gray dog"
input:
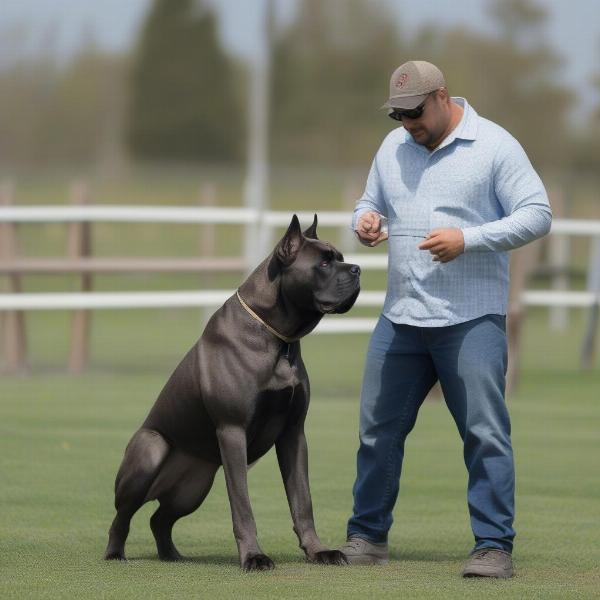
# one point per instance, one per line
(241, 389)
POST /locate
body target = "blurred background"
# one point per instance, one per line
(156, 102)
(98, 88)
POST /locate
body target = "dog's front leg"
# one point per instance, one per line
(292, 454)
(233, 446)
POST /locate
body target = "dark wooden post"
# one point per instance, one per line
(593, 286)
(207, 241)
(559, 250)
(350, 196)
(79, 246)
(207, 198)
(14, 334)
(522, 263)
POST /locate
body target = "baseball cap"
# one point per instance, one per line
(411, 82)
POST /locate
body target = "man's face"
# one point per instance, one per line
(430, 128)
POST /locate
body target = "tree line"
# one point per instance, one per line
(180, 96)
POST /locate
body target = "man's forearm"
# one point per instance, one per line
(521, 227)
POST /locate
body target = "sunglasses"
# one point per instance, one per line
(410, 113)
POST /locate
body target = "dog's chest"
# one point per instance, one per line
(284, 375)
(273, 407)
(280, 393)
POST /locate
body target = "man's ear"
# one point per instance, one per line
(311, 232)
(289, 245)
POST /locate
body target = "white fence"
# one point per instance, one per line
(80, 262)
(240, 216)
(213, 215)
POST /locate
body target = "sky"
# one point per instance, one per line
(573, 28)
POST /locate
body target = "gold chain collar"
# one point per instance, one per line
(283, 338)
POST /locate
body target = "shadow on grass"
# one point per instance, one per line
(221, 560)
(215, 559)
(298, 559)
(440, 555)
(155, 367)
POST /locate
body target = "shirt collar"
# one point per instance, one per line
(465, 130)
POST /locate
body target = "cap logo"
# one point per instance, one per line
(402, 80)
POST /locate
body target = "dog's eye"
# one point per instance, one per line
(324, 263)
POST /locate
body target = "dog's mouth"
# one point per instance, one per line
(340, 307)
(348, 303)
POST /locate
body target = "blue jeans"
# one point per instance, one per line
(403, 363)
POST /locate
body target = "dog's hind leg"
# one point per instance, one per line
(181, 487)
(143, 458)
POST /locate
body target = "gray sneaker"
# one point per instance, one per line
(489, 562)
(363, 552)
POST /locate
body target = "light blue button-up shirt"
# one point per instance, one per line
(478, 179)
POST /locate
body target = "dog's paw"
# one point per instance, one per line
(170, 556)
(116, 555)
(258, 562)
(329, 557)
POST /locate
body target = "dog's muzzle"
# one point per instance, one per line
(353, 290)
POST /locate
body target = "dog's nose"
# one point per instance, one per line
(355, 270)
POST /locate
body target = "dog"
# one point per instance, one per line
(241, 389)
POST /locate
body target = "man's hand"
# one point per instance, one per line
(444, 244)
(369, 229)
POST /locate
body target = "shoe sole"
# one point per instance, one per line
(367, 560)
(492, 574)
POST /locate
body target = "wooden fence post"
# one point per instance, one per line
(593, 285)
(207, 235)
(207, 240)
(350, 196)
(14, 334)
(79, 246)
(559, 247)
(522, 263)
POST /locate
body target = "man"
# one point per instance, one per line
(457, 192)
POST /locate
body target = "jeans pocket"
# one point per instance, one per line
(499, 321)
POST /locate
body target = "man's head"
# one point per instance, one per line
(419, 98)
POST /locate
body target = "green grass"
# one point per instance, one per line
(62, 440)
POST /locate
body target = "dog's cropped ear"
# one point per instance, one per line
(311, 232)
(287, 249)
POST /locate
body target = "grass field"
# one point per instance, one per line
(62, 438)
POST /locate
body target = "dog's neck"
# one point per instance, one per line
(263, 294)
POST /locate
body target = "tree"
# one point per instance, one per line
(330, 74)
(60, 113)
(333, 65)
(85, 115)
(183, 106)
(517, 20)
(511, 78)
(586, 146)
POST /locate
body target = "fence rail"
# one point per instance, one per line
(162, 214)
(212, 215)
(121, 265)
(80, 215)
(214, 298)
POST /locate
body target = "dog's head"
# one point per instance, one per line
(314, 275)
